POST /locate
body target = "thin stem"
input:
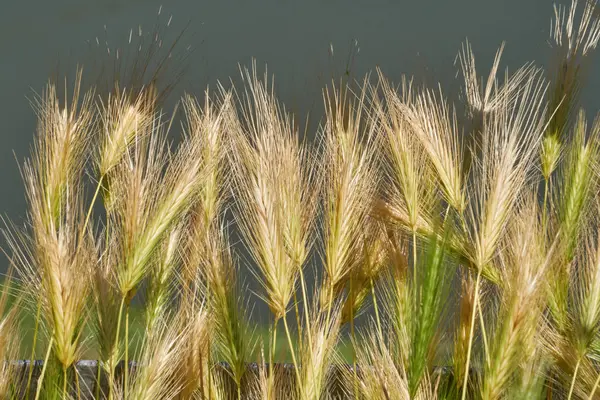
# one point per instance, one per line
(414, 251)
(98, 377)
(41, 378)
(89, 213)
(64, 387)
(35, 333)
(305, 307)
(574, 378)
(298, 323)
(544, 211)
(483, 333)
(115, 346)
(273, 343)
(126, 381)
(471, 332)
(352, 334)
(593, 392)
(379, 330)
(77, 387)
(293, 353)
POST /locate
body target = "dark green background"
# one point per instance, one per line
(40, 37)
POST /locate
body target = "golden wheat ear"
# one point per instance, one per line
(350, 181)
(275, 195)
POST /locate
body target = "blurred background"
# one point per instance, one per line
(305, 44)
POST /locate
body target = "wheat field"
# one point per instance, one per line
(417, 247)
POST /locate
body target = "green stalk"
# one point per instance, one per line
(483, 333)
(64, 387)
(115, 346)
(298, 323)
(305, 307)
(574, 378)
(35, 333)
(544, 211)
(593, 392)
(352, 334)
(89, 212)
(471, 332)
(97, 391)
(126, 380)
(293, 353)
(379, 330)
(414, 249)
(41, 378)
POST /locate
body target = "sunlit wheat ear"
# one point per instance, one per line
(123, 122)
(434, 123)
(60, 249)
(232, 336)
(575, 37)
(578, 182)
(157, 377)
(63, 132)
(316, 360)
(275, 196)
(106, 300)
(509, 139)
(153, 195)
(488, 98)
(408, 181)
(586, 35)
(161, 284)
(572, 197)
(207, 123)
(350, 181)
(524, 261)
(135, 186)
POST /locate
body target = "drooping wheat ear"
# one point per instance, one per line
(435, 125)
(153, 195)
(524, 262)
(510, 136)
(158, 376)
(408, 180)
(350, 182)
(106, 300)
(123, 122)
(577, 183)
(63, 132)
(316, 360)
(275, 193)
(574, 44)
(134, 187)
(231, 335)
(60, 247)
(207, 123)
(162, 277)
